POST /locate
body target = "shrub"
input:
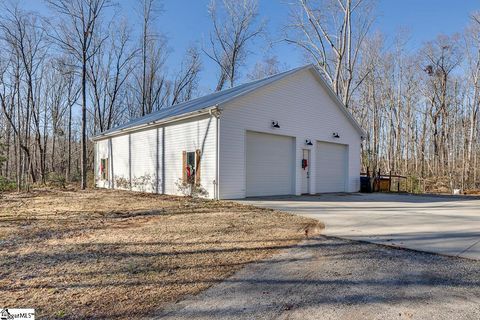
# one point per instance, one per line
(7, 185)
(141, 183)
(415, 184)
(76, 176)
(56, 180)
(189, 189)
(121, 182)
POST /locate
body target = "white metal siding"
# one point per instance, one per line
(136, 156)
(190, 136)
(144, 160)
(101, 152)
(331, 167)
(306, 172)
(269, 164)
(304, 110)
(120, 161)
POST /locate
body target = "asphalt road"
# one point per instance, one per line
(330, 278)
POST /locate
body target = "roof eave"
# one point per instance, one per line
(180, 117)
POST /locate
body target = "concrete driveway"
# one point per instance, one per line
(438, 224)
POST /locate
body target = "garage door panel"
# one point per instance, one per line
(269, 164)
(331, 167)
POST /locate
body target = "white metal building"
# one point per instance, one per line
(285, 134)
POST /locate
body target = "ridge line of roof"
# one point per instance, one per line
(225, 96)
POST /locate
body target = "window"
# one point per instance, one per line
(104, 169)
(191, 166)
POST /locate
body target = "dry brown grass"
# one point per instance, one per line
(113, 254)
(472, 192)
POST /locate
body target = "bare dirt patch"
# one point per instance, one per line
(118, 254)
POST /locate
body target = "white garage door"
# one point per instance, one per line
(331, 167)
(269, 164)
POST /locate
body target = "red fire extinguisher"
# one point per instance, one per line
(304, 164)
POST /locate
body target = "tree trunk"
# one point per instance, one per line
(83, 162)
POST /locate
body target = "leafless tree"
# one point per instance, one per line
(419, 106)
(75, 34)
(22, 33)
(186, 81)
(442, 56)
(72, 93)
(472, 55)
(235, 26)
(15, 115)
(108, 71)
(54, 103)
(151, 80)
(266, 67)
(331, 33)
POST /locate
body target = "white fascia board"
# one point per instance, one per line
(181, 117)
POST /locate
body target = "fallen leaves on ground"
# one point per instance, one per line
(116, 254)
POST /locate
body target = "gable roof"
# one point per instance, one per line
(211, 101)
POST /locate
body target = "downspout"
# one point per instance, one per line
(217, 173)
(95, 148)
(111, 173)
(217, 113)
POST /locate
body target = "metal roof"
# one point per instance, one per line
(209, 101)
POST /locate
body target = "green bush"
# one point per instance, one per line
(7, 185)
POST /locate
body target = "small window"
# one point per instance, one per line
(104, 168)
(191, 166)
